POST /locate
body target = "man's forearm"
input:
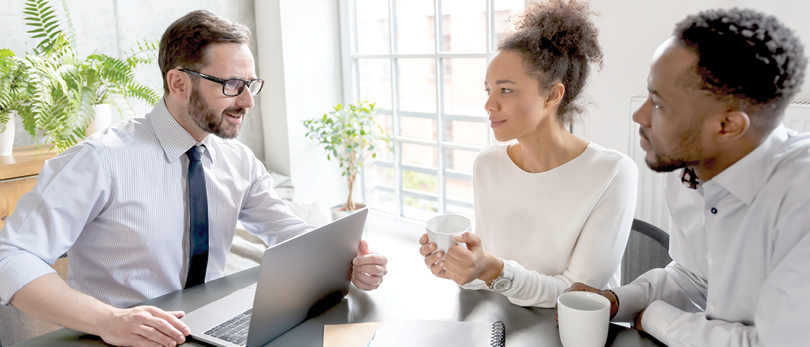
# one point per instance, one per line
(673, 284)
(50, 299)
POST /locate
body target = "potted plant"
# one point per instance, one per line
(12, 92)
(348, 135)
(63, 88)
(110, 80)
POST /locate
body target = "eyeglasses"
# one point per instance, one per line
(232, 86)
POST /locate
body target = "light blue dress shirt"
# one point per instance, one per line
(740, 245)
(117, 203)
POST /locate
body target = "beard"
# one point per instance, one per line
(688, 153)
(205, 118)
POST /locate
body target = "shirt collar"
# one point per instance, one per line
(175, 140)
(746, 177)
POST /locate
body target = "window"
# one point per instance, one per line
(435, 116)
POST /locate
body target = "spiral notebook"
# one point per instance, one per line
(429, 333)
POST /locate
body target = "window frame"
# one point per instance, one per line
(350, 68)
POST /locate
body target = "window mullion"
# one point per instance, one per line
(491, 50)
(392, 27)
(440, 155)
(491, 30)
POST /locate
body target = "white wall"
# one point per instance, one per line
(299, 46)
(114, 26)
(630, 31)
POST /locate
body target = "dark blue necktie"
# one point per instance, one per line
(198, 210)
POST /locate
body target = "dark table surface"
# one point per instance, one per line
(409, 292)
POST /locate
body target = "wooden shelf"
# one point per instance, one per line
(25, 161)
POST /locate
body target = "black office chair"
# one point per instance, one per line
(647, 248)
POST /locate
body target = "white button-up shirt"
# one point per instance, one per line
(117, 203)
(740, 245)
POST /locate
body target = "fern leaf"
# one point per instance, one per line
(71, 30)
(143, 92)
(44, 23)
(146, 53)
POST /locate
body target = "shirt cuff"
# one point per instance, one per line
(18, 270)
(632, 300)
(476, 284)
(657, 318)
(519, 275)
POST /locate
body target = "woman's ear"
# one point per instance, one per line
(555, 94)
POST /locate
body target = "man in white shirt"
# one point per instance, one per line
(740, 239)
(150, 206)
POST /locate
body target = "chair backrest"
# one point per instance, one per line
(647, 248)
(16, 326)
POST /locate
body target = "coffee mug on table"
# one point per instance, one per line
(584, 319)
(440, 229)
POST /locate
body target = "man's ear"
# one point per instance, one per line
(555, 94)
(733, 125)
(179, 84)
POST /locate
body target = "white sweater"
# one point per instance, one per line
(569, 224)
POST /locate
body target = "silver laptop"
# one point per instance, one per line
(298, 279)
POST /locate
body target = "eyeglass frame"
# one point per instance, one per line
(222, 81)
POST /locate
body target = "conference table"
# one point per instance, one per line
(408, 292)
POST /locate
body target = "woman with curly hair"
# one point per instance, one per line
(551, 209)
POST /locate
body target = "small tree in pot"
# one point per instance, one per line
(348, 135)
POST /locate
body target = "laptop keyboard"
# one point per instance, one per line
(234, 330)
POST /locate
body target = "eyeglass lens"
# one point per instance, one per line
(233, 87)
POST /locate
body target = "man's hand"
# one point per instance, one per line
(50, 299)
(368, 268)
(144, 326)
(464, 265)
(582, 287)
(432, 260)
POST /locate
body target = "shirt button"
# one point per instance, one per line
(714, 210)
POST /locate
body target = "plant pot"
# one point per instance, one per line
(339, 211)
(7, 136)
(101, 120)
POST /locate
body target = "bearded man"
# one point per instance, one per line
(131, 205)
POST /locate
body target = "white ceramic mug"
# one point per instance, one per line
(584, 319)
(440, 229)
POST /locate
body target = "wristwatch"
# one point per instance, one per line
(504, 281)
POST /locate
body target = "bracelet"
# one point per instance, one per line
(617, 303)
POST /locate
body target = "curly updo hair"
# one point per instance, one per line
(747, 59)
(558, 42)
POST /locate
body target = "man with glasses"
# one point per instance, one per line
(150, 205)
(740, 236)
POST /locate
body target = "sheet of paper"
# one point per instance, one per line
(349, 335)
(428, 333)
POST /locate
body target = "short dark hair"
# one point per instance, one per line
(747, 59)
(184, 42)
(558, 42)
